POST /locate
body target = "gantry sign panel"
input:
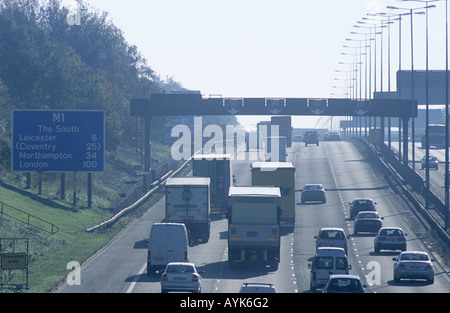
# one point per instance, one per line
(195, 104)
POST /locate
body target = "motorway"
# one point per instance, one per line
(120, 266)
(436, 176)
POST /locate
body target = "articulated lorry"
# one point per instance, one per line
(188, 202)
(436, 136)
(278, 174)
(254, 226)
(218, 168)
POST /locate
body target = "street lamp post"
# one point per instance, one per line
(412, 11)
(427, 142)
(447, 217)
(375, 26)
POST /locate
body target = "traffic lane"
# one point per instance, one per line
(115, 266)
(437, 179)
(209, 258)
(312, 166)
(395, 211)
(283, 279)
(361, 181)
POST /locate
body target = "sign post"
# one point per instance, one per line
(58, 141)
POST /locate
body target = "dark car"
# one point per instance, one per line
(311, 137)
(313, 192)
(361, 204)
(344, 284)
(332, 136)
(433, 162)
(367, 221)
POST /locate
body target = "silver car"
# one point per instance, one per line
(181, 276)
(390, 238)
(413, 264)
(332, 237)
(367, 221)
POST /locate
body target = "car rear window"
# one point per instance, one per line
(391, 232)
(341, 263)
(345, 284)
(364, 203)
(180, 269)
(324, 262)
(414, 257)
(367, 215)
(332, 234)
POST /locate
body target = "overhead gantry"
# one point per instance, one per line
(196, 105)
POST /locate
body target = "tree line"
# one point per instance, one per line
(47, 63)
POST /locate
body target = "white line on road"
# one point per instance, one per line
(136, 278)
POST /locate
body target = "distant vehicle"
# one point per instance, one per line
(278, 174)
(414, 264)
(331, 237)
(361, 204)
(436, 136)
(218, 168)
(344, 284)
(181, 276)
(433, 162)
(298, 138)
(284, 124)
(257, 288)
(390, 238)
(313, 192)
(311, 137)
(168, 242)
(332, 136)
(276, 156)
(367, 221)
(326, 261)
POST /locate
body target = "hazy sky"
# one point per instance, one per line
(267, 48)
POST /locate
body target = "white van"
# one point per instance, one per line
(168, 242)
(327, 261)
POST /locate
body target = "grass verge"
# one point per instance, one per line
(49, 254)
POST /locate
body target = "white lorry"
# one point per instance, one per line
(188, 202)
(254, 225)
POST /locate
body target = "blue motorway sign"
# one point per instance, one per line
(58, 141)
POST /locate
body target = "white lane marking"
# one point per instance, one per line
(136, 278)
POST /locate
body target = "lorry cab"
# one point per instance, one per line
(168, 242)
(327, 261)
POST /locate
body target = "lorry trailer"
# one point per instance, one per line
(188, 202)
(254, 226)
